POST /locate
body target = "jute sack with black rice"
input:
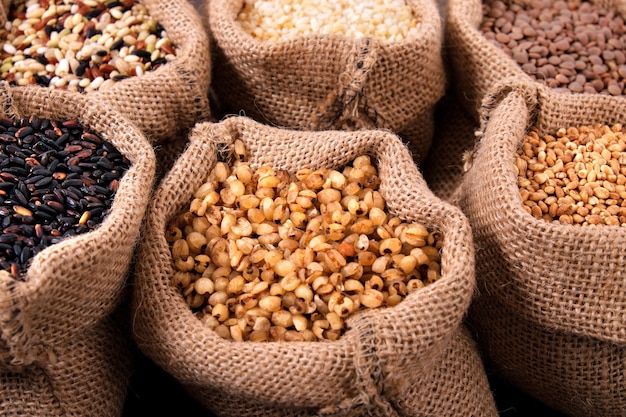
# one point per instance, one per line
(550, 312)
(411, 359)
(321, 82)
(167, 101)
(61, 351)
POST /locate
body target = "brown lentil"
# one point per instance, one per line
(80, 45)
(57, 180)
(302, 283)
(581, 182)
(573, 46)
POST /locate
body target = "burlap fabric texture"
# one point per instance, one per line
(326, 82)
(164, 103)
(61, 353)
(411, 359)
(476, 63)
(551, 314)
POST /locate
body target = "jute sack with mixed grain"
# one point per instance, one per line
(309, 67)
(75, 178)
(544, 196)
(414, 358)
(148, 59)
(570, 47)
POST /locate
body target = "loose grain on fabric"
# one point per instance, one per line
(403, 339)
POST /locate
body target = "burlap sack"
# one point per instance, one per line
(331, 81)
(168, 101)
(384, 356)
(57, 342)
(476, 63)
(452, 148)
(550, 315)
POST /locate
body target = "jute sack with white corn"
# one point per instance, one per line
(414, 358)
(61, 350)
(330, 65)
(160, 86)
(549, 312)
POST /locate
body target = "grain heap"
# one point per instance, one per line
(265, 255)
(81, 45)
(577, 177)
(277, 20)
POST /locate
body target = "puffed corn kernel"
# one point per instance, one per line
(280, 257)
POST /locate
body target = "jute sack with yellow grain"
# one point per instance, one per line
(332, 79)
(61, 351)
(414, 358)
(167, 98)
(549, 313)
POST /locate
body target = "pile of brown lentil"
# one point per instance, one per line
(56, 180)
(574, 46)
(80, 45)
(576, 177)
(266, 255)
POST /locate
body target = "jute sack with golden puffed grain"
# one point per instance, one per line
(451, 151)
(410, 359)
(167, 101)
(61, 351)
(321, 82)
(550, 312)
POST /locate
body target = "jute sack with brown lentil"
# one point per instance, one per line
(62, 353)
(389, 75)
(550, 314)
(572, 47)
(148, 59)
(417, 350)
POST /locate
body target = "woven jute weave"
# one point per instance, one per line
(551, 311)
(411, 359)
(165, 103)
(61, 353)
(322, 82)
